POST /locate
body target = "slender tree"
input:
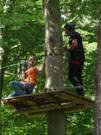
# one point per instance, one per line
(54, 62)
(7, 8)
(98, 83)
(1, 55)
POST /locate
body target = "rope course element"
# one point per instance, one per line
(41, 103)
(12, 65)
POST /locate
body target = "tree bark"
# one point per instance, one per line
(1, 59)
(98, 85)
(53, 44)
(1, 54)
(54, 63)
(56, 123)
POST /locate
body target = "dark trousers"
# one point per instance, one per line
(75, 77)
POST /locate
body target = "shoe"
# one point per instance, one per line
(14, 94)
(80, 91)
(11, 95)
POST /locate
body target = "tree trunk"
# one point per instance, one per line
(54, 63)
(98, 86)
(1, 54)
(56, 123)
(53, 44)
(1, 59)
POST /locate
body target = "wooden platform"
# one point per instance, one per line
(43, 102)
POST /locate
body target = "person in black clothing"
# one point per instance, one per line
(76, 59)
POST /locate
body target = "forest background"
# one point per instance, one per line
(22, 33)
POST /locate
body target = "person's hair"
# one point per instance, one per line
(32, 57)
(69, 26)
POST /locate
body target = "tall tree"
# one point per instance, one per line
(53, 44)
(54, 62)
(5, 10)
(1, 55)
(98, 83)
(1, 58)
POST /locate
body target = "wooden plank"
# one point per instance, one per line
(50, 96)
(43, 102)
(43, 109)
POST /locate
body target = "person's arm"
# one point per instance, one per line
(24, 75)
(40, 67)
(73, 45)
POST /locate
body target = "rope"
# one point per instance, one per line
(22, 62)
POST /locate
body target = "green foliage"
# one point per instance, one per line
(80, 123)
(18, 125)
(23, 35)
(90, 68)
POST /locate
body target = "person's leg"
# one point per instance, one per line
(80, 89)
(18, 87)
(80, 73)
(72, 74)
(16, 93)
(73, 77)
(29, 88)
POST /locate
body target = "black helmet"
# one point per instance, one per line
(69, 26)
